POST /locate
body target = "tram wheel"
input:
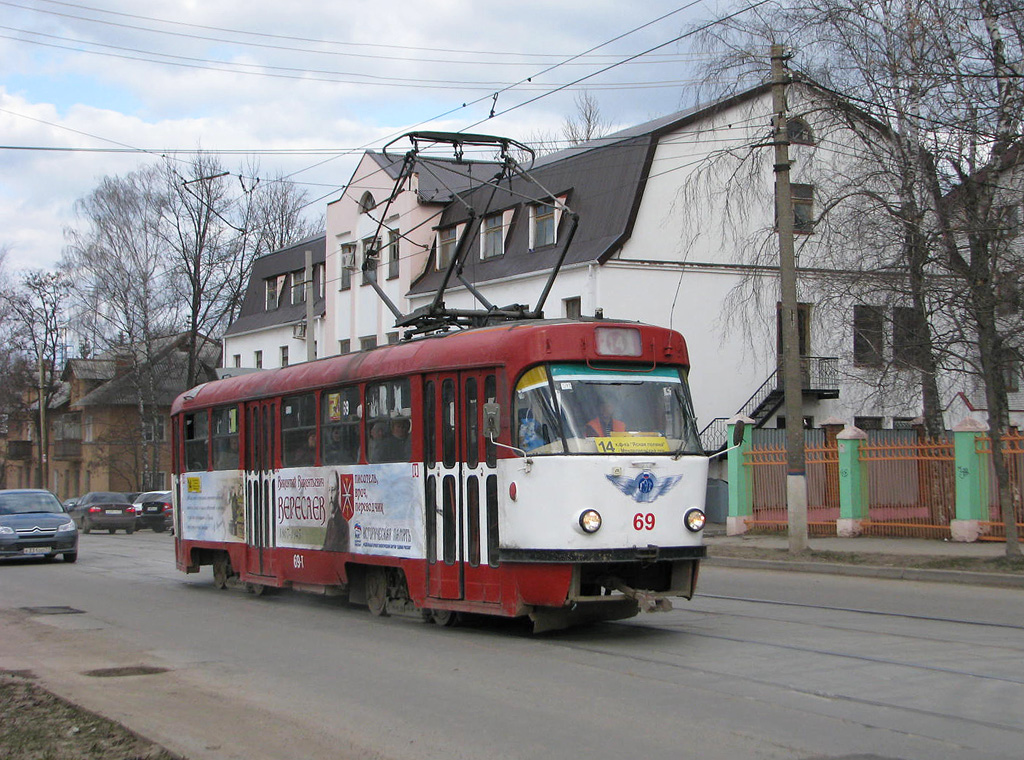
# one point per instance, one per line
(445, 618)
(222, 570)
(377, 591)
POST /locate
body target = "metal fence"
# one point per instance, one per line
(1013, 455)
(911, 484)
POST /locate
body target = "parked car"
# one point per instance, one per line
(104, 510)
(33, 523)
(153, 510)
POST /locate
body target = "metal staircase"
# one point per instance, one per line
(820, 381)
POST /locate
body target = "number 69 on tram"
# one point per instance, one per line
(549, 469)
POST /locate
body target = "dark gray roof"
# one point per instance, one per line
(438, 178)
(601, 184)
(603, 180)
(89, 369)
(170, 375)
(253, 314)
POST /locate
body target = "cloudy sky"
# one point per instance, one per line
(102, 87)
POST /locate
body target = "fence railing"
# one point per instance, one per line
(886, 483)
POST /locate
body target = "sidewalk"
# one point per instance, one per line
(902, 558)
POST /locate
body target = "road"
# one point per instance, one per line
(759, 665)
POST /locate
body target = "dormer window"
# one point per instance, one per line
(492, 238)
(542, 226)
(367, 203)
(446, 240)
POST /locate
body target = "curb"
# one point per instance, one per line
(1004, 580)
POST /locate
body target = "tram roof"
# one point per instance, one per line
(513, 344)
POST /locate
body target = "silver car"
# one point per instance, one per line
(33, 523)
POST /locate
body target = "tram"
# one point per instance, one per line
(541, 468)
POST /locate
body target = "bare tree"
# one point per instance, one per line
(38, 315)
(938, 84)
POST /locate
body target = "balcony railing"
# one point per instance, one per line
(67, 449)
(19, 449)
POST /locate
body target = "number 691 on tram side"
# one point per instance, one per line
(549, 469)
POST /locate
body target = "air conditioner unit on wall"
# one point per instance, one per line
(299, 330)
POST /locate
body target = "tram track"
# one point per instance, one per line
(861, 611)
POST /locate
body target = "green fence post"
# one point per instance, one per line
(853, 492)
(741, 495)
(971, 480)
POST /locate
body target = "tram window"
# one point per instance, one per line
(298, 427)
(472, 424)
(492, 520)
(196, 435)
(448, 423)
(473, 501)
(225, 438)
(491, 395)
(388, 422)
(339, 426)
(448, 504)
(431, 519)
(429, 426)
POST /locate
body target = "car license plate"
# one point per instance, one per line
(36, 550)
(152, 509)
(113, 511)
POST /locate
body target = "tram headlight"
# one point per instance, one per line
(694, 520)
(590, 521)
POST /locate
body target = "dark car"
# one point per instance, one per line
(153, 510)
(33, 523)
(104, 510)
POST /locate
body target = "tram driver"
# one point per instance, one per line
(604, 424)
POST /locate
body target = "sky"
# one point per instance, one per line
(104, 87)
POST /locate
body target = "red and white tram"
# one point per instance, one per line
(542, 468)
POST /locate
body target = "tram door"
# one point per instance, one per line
(461, 484)
(261, 436)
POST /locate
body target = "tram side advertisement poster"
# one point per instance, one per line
(369, 509)
(213, 506)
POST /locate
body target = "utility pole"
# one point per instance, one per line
(796, 471)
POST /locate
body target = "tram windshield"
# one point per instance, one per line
(578, 409)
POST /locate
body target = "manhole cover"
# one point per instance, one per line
(53, 611)
(129, 670)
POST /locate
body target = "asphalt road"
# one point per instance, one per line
(759, 665)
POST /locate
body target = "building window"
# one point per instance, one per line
(542, 226)
(299, 287)
(367, 203)
(365, 344)
(258, 359)
(799, 132)
(803, 208)
(803, 326)
(393, 260)
(344, 347)
(319, 272)
(371, 255)
(909, 338)
(868, 423)
(154, 430)
(273, 290)
(284, 356)
(236, 360)
(348, 263)
(868, 334)
(446, 240)
(392, 338)
(573, 308)
(492, 239)
(1011, 375)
